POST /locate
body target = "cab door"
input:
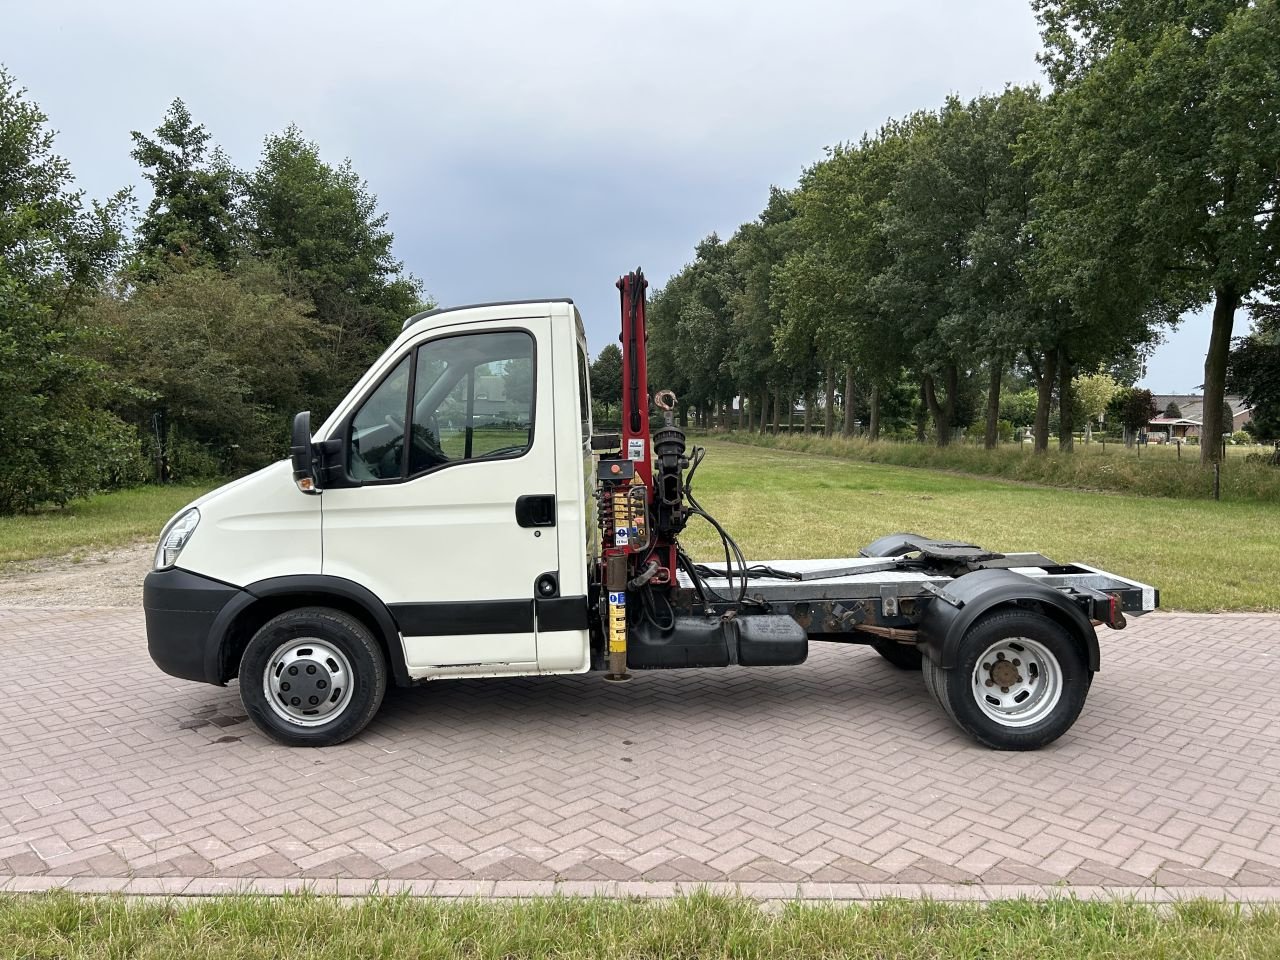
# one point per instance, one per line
(449, 509)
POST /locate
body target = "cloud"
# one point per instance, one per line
(521, 148)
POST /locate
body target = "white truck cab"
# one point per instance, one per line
(453, 536)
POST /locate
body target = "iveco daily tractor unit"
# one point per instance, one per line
(455, 516)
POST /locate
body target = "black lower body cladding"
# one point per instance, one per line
(752, 641)
(181, 608)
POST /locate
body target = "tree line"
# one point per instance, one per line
(176, 340)
(1015, 255)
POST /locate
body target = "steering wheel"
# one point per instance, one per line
(422, 442)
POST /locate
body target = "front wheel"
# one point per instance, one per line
(1020, 681)
(312, 677)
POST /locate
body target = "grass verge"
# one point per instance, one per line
(1153, 471)
(780, 504)
(98, 523)
(66, 926)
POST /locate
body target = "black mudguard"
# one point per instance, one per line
(947, 618)
(314, 589)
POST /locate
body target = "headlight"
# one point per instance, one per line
(175, 537)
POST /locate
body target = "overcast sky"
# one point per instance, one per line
(529, 149)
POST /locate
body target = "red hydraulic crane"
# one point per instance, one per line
(641, 513)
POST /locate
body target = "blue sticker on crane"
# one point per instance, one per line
(617, 599)
(621, 537)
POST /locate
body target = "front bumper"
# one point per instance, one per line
(181, 610)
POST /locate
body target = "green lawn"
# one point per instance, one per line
(1153, 470)
(782, 504)
(63, 926)
(98, 523)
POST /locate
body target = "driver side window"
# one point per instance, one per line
(472, 399)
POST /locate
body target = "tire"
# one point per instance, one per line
(1047, 674)
(293, 677)
(934, 677)
(901, 655)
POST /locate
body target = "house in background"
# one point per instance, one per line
(1173, 428)
(1190, 420)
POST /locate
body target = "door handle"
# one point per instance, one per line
(536, 510)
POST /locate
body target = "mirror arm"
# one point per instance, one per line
(329, 465)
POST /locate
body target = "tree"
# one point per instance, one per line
(1019, 408)
(1092, 394)
(957, 223)
(1255, 375)
(1172, 411)
(219, 361)
(1164, 144)
(319, 227)
(994, 306)
(691, 324)
(824, 288)
(1092, 310)
(606, 375)
(192, 214)
(1134, 409)
(927, 220)
(759, 249)
(814, 315)
(59, 441)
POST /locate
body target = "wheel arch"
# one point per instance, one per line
(259, 602)
(944, 624)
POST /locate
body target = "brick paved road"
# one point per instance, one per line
(839, 771)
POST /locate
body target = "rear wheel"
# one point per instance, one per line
(312, 677)
(904, 656)
(1019, 683)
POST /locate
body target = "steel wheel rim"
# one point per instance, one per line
(308, 682)
(1017, 682)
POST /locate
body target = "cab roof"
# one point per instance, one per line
(476, 306)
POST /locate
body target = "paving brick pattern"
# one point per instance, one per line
(841, 771)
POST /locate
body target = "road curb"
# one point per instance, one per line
(181, 887)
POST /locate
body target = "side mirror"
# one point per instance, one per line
(303, 454)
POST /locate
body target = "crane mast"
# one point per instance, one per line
(641, 487)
